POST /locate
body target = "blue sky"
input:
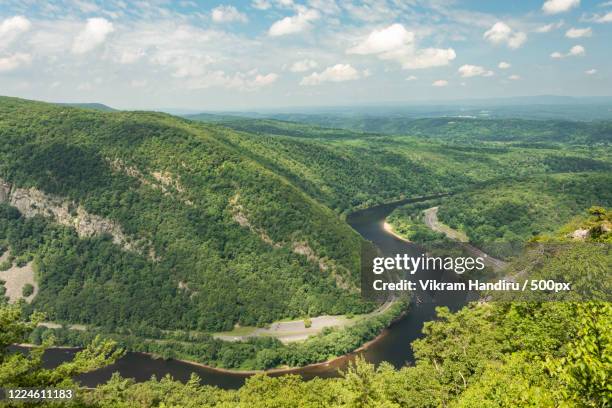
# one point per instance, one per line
(249, 54)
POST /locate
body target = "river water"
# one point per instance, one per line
(393, 346)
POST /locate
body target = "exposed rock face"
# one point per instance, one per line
(163, 181)
(31, 202)
(580, 234)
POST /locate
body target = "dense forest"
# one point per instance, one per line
(215, 236)
(455, 127)
(209, 225)
(348, 170)
(499, 217)
(488, 354)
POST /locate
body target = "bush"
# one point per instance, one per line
(27, 290)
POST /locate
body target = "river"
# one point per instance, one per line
(392, 346)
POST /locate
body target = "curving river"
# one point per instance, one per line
(392, 346)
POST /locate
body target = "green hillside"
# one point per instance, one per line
(348, 170)
(207, 237)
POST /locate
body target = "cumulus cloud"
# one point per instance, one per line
(337, 73)
(579, 32)
(294, 24)
(94, 34)
(388, 40)
(227, 14)
(503, 65)
(302, 66)
(468, 71)
(14, 61)
(575, 51)
(549, 27)
(501, 33)
(514, 77)
(428, 57)
(13, 27)
(411, 78)
(591, 71)
(559, 6)
(440, 83)
(397, 43)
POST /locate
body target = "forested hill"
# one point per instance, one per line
(154, 220)
(348, 169)
(454, 128)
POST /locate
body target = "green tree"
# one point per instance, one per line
(19, 369)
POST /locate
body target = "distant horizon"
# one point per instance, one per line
(471, 102)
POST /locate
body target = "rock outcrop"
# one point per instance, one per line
(32, 202)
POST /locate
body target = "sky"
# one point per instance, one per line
(258, 54)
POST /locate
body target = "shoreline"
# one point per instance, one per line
(389, 228)
(237, 372)
(289, 370)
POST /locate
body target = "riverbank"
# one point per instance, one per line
(389, 228)
(389, 342)
(293, 370)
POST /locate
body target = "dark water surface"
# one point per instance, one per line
(393, 346)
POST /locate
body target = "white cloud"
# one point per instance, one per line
(337, 73)
(228, 14)
(606, 18)
(440, 83)
(503, 65)
(591, 71)
(411, 78)
(579, 32)
(261, 4)
(501, 33)
(468, 71)
(14, 61)
(514, 77)
(264, 80)
(243, 81)
(575, 51)
(94, 34)
(388, 40)
(13, 27)
(549, 27)
(396, 43)
(302, 66)
(294, 24)
(605, 4)
(559, 6)
(428, 57)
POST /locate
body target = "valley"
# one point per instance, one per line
(218, 242)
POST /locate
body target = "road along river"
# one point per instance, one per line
(393, 345)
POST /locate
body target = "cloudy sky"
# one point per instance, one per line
(251, 54)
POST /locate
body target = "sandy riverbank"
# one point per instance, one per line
(389, 228)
